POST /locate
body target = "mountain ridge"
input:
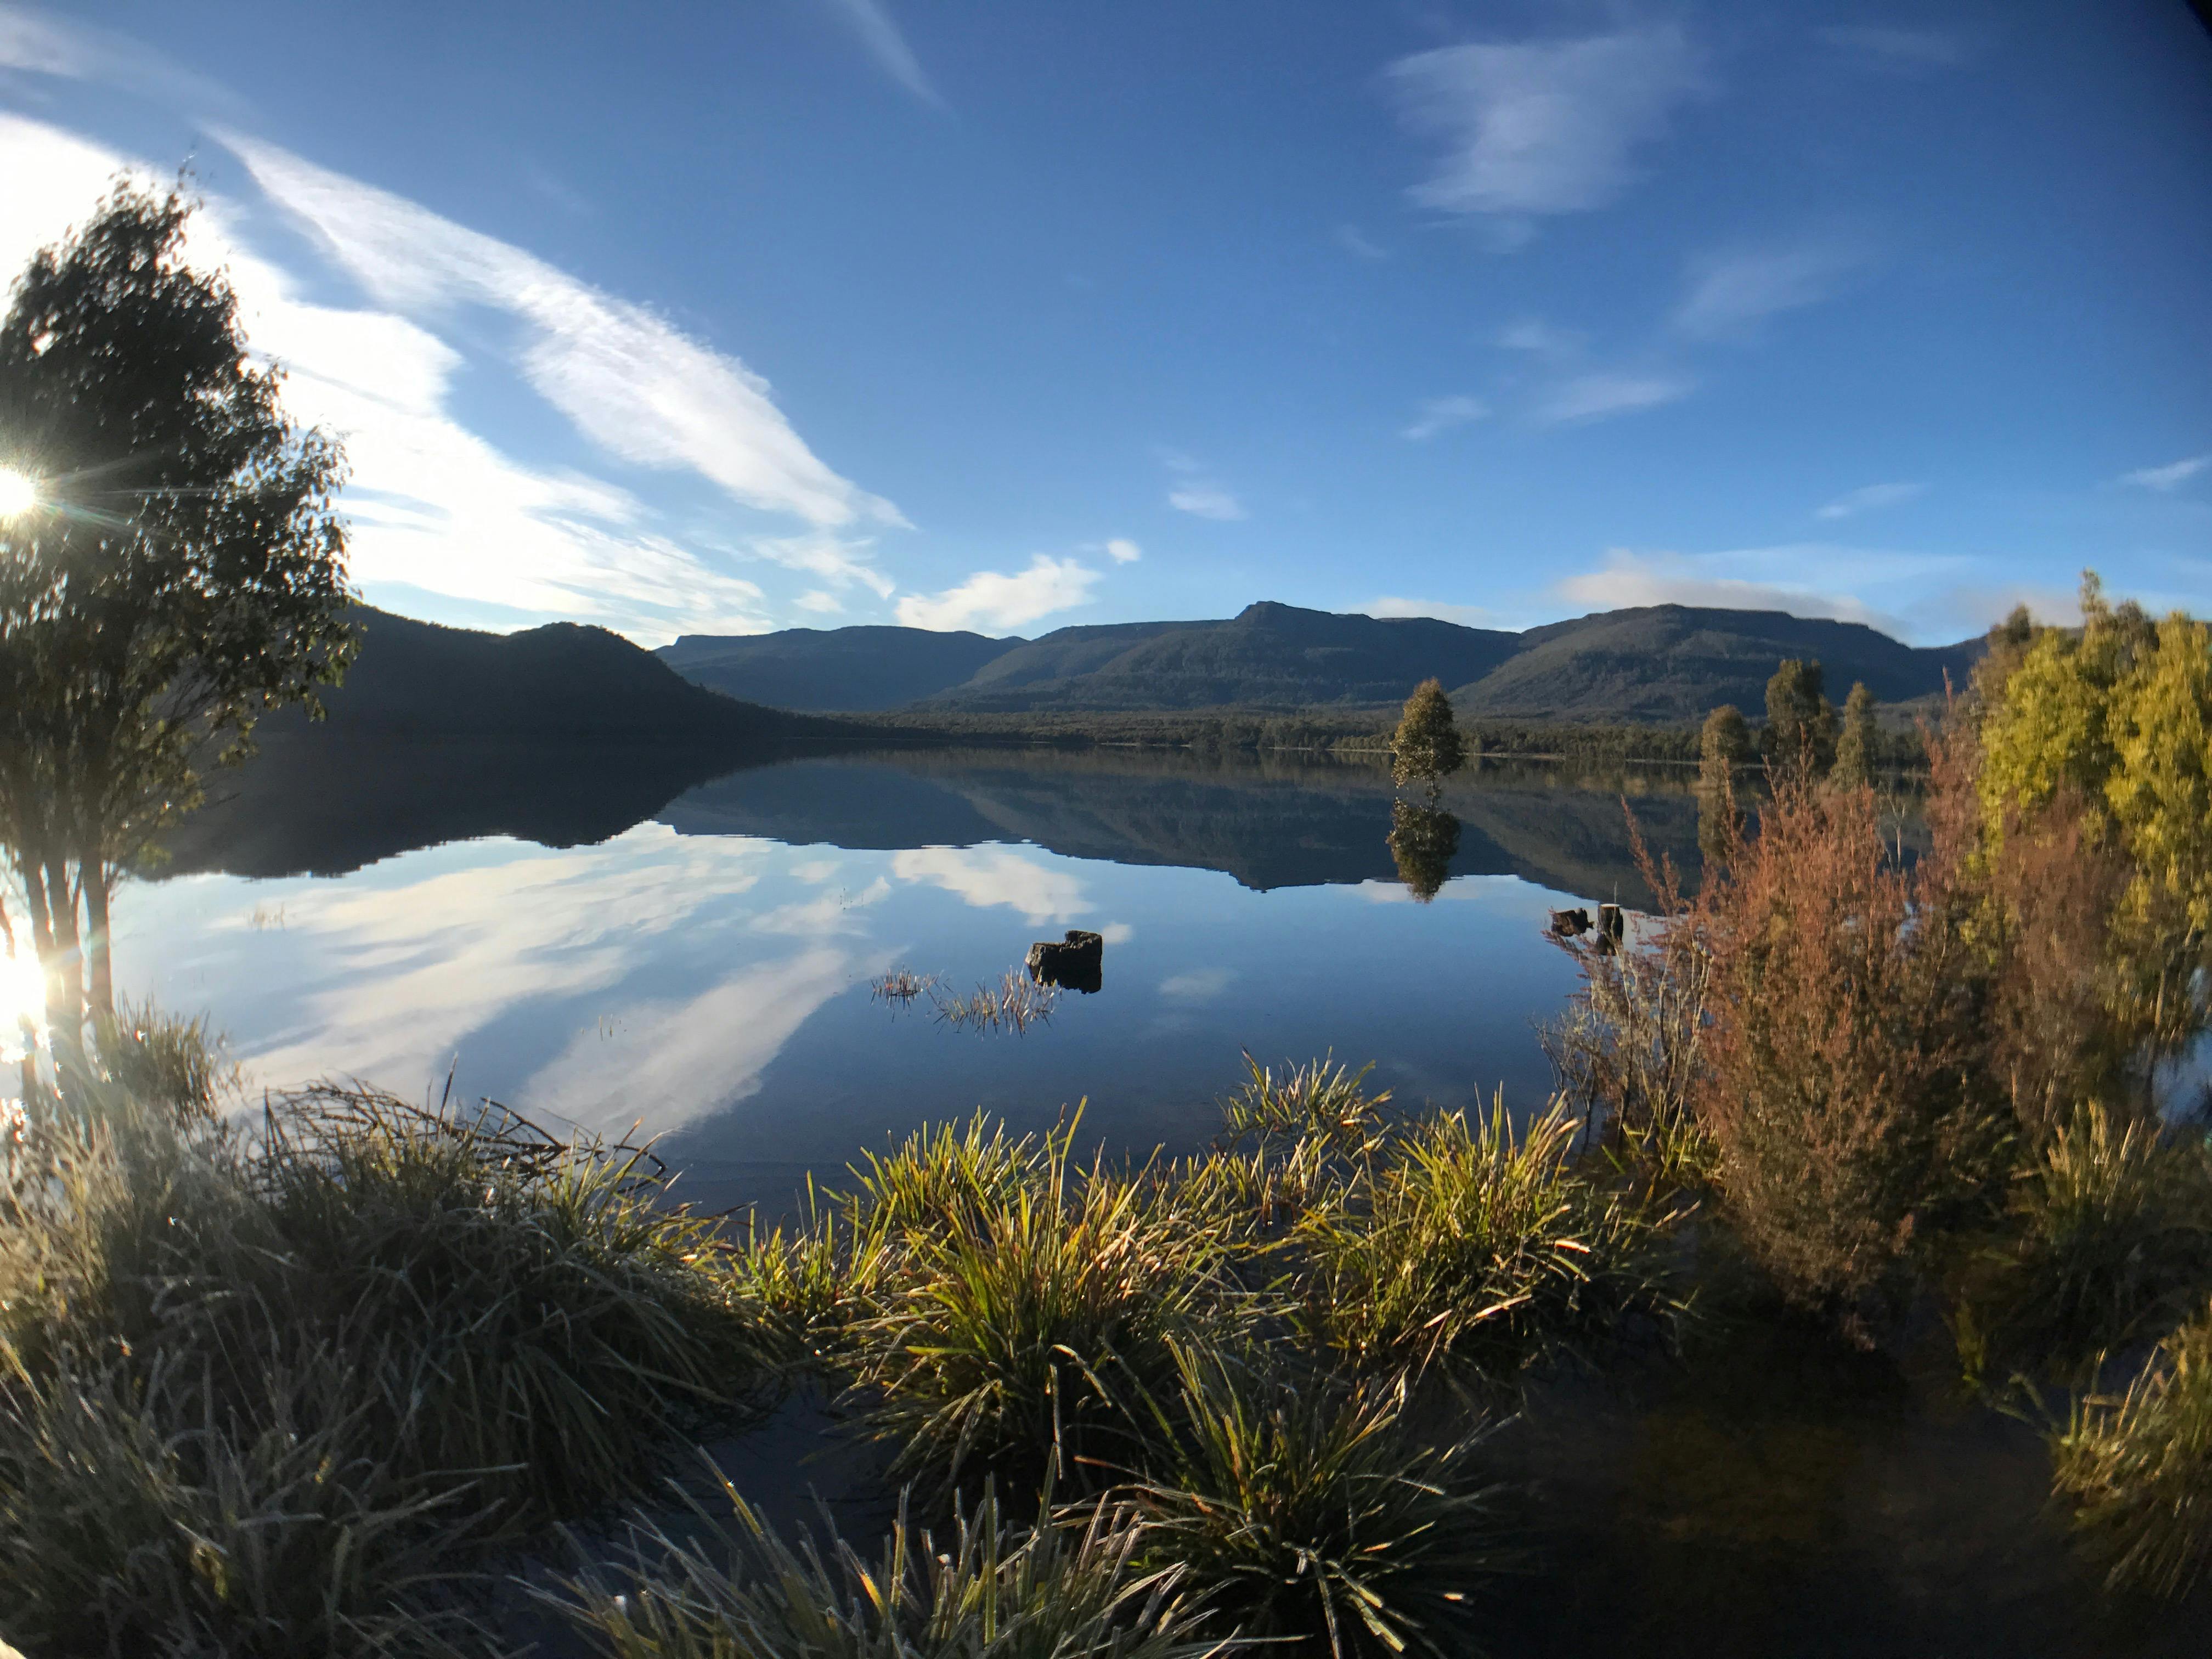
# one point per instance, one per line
(1666, 663)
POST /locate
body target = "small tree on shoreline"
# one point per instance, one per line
(1426, 747)
(180, 571)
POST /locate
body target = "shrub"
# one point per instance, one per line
(1842, 1076)
(2135, 1469)
(1300, 1509)
(989, 1591)
(1482, 1248)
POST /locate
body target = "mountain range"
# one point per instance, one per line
(1656, 663)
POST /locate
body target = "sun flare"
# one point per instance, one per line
(22, 996)
(19, 492)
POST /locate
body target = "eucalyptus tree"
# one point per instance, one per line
(171, 566)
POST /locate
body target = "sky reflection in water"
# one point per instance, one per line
(713, 989)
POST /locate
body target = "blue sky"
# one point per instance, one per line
(720, 318)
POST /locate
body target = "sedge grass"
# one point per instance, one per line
(2135, 1469)
(1485, 1249)
(981, 1588)
(1307, 1514)
(1016, 1343)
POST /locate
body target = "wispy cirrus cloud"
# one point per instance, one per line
(992, 600)
(1868, 498)
(2172, 475)
(1730, 293)
(879, 33)
(1196, 492)
(1356, 241)
(1602, 394)
(629, 379)
(1920, 594)
(41, 43)
(1441, 414)
(1542, 127)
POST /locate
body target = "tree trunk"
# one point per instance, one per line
(93, 874)
(65, 987)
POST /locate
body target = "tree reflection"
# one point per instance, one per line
(1423, 840)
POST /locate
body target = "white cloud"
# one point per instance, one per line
(1204, 499)
(1870, 497)
(1747, 579)
(819, 604)
(1441, 414)
(1122, 550)
(629, 380)
(43, 43)
(1199, 985)
(1544, 127)
(1533, 335)
(2172, 475)
(1899, 50)
(1593, 397)
(1116, 932)
(1354, 240)
(836, 560)
(990, 599)
(988, 877)
(432, 506)
(1730, 293)
(871, 21)
(1467, 616)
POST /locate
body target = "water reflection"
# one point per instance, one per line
(1424, 840)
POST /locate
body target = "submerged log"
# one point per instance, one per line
(1075, 963)
(1570, 924)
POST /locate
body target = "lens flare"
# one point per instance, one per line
(19, 492)
(22, 997)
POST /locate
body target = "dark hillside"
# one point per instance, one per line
(561, 682)
(1270, 655)
(1674, 663)
(842, 669)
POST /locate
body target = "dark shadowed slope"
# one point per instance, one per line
(1662, 663)
(843, 668)
(563, 682)
(1670, 662)
(1268, 656)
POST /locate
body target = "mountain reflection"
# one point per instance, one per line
(312, 805)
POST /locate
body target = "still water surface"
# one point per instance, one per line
(703, 974)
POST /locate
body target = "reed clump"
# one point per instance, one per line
(260, 1383)
(1307, 1511)
(2135, 1469)
(981, 1587)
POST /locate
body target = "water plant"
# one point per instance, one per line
(2135, 1469)
(1017, 1002)
(981, 1588)
(1486, 1249)
(1306, 1511)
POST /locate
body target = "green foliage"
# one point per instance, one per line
(1482, 1250)
(1723, 749)
(987, 1589)
(2117, 719)
(1800, 736)
(1426, 746)
(182, 572)
(1024, 1325)
(2135, 1469)
(1859, 747)
(1306, 1512)
(167, 1061)
(1424, 840)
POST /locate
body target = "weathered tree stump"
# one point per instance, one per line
(1075, 963)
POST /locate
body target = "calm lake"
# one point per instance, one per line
(702, 974)
(619, 941)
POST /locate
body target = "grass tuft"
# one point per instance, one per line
(1485, 1249)
(2135, 1469)
(1306, 1512)
(986, 1590)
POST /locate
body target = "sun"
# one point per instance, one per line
(19, 492)
(22, 996)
